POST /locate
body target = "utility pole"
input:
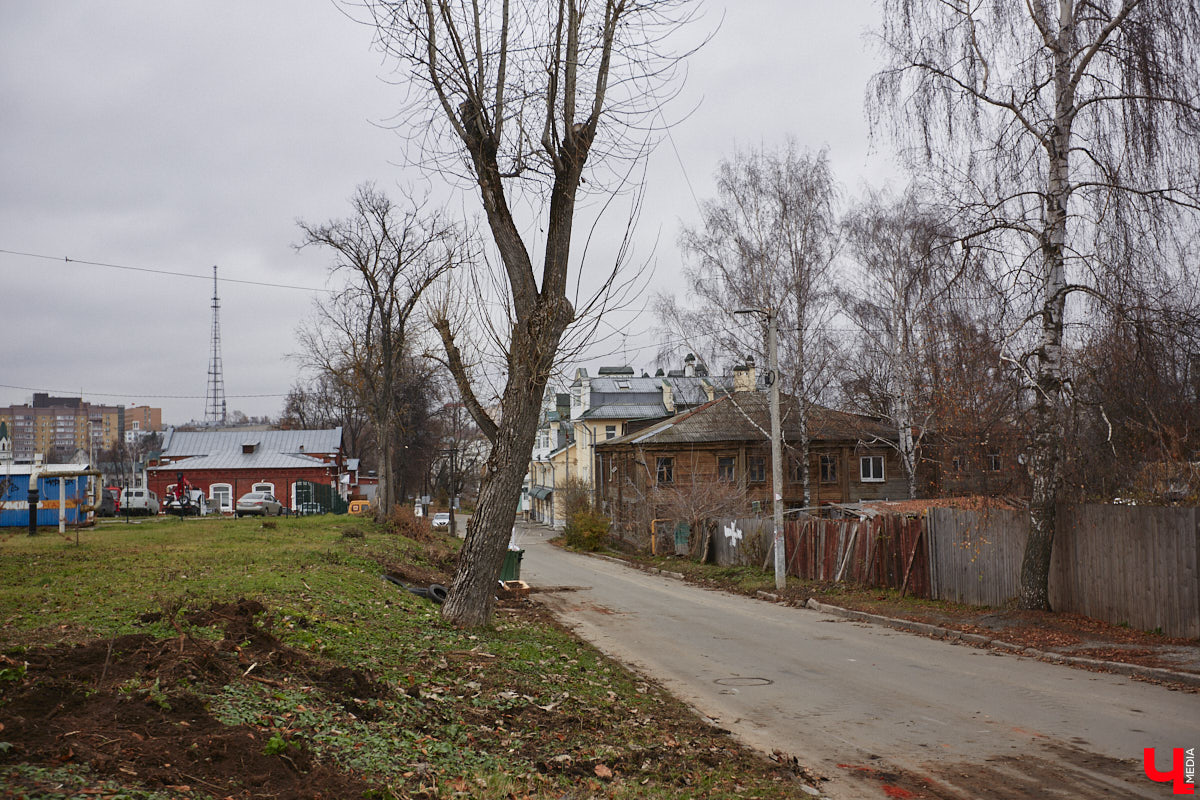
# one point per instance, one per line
(776, 440)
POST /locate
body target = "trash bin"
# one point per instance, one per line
(512, 565)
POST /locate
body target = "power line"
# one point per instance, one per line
(68, 392)
(69, 260)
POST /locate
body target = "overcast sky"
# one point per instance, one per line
(178, 136)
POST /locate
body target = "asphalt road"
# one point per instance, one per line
(854, 701)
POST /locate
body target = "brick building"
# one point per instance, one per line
(298, 467)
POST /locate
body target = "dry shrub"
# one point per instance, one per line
(403, 522)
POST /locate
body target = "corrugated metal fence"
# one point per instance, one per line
(1130, 565)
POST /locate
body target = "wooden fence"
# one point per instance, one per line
(888, 550)
(975, 556)
(1131, 565)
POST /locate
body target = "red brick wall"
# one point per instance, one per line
(241, 480)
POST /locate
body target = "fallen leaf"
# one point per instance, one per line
(603, 772)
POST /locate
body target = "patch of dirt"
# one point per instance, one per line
(130, 709)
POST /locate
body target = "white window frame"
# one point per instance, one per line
(610, 432)
(259, 487)
(866, 469)
(224, 489)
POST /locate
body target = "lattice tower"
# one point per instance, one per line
(214, 405)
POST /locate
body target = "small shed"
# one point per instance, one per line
(68, 485)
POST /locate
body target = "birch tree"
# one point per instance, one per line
(531, 102)
(1066, 133)
(902, 267)
(767, 241)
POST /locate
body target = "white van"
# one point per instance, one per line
(139, 501)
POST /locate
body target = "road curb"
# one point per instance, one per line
(958, 637)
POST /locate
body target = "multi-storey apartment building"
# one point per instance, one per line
(58, 426)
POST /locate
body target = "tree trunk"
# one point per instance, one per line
(1046, 449)
(472, 592)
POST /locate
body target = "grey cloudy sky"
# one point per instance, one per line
(178, 136)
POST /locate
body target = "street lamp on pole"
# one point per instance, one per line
(776, 439)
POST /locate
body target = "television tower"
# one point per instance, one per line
(214, 405)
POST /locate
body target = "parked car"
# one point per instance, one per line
(139, 502)
(441, 519)
(107, 507)
(260, 503)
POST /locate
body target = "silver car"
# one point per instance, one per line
(441, 519)
(261, 503)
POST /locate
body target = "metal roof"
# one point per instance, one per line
(621, 411)
(177, 444)
(745, 416)
(239, 460)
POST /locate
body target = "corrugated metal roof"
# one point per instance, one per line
(622, 411)
(745, 416)
(239, 460)
(204, 443)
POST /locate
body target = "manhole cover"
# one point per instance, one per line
(743, 682)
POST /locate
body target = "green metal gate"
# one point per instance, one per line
(317, 498)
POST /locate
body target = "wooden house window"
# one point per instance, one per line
(829, 469)
(958, 464)
(664, 469)
(993, 462)
(756, 469)
(726, 468)
(871, 469)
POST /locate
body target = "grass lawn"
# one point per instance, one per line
(236, 658)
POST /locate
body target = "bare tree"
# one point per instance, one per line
(767, 242)
(518, 97)
(904, 266)
(1066, 133)
(362, 336)
(325, 401)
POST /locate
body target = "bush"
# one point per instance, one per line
(404, 522)
(586, 530)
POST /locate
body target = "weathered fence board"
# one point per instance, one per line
(889, 550)
(1132, 565)
(976, 556)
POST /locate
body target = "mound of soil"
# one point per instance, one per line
(130, 709)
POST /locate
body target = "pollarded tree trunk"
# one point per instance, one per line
(472, 592)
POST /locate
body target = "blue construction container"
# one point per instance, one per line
(14, 494)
